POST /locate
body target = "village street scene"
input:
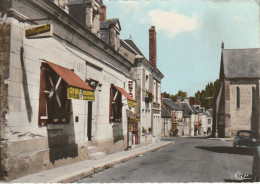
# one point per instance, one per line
(100, 91)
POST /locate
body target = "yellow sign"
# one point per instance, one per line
(82, 94)
(39, 31)
(131, 103)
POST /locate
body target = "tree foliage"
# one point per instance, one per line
(205, 96)
(180, 93)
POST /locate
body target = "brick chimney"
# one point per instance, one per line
(102, 16)
(152, 46)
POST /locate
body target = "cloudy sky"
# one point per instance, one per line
(189, 35)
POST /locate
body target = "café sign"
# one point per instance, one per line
(39, 31)
(82, 94)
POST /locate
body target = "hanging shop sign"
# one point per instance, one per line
(82, 94)
(39, 31)
(131, 103)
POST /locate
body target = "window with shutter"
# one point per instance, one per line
(54, 107)
(115, 105)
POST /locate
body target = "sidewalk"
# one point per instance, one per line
(222, 139)
(76, 171)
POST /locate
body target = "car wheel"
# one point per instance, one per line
(234, 145)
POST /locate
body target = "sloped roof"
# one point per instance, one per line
(241, 63)
(83, 2)
(195, 110)
(186, 109)
(209, 112)
(132, 44)
(128, 47)
(170, 103)
(109, 22)
(165, 114)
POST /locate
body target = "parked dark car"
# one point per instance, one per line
(246, 138)
(256, 164)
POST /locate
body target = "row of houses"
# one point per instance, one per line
(68, 83)
(185, 118)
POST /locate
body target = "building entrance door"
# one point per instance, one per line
(89, 120)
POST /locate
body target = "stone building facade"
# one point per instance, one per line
(70, 68)
(236, 101)
(148, 79)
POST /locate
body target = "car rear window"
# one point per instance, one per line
(247, 134)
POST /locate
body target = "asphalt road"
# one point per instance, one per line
(187, 160)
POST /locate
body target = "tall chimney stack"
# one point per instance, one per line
(152, 46)
(102, 16)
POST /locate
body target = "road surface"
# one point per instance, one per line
(187, 160)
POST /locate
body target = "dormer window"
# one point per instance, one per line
(110, 32)
(62, 3)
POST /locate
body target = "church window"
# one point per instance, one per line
(238, 97)
(253, 96)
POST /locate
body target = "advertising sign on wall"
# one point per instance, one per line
(131, 103)
(39, 31)
(82, 94)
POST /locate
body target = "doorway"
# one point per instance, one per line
(89, 120)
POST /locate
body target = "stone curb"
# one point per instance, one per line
(221, 139)
(89, 171)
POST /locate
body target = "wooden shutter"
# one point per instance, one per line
(110, 104)
(156, 92)
(42, 100)
(143, 85)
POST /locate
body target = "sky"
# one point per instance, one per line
(189, 35)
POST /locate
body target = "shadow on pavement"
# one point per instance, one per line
(198, 137)
(238, 181)
(229, 150)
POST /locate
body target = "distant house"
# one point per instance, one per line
(209, 113)
(203, 122)
(195, 115)
(166, 123)
(236, 101)
(176, 114)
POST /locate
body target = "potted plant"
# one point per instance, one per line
(143, 131)
(60, 114)
(148, 96)
(150, 130)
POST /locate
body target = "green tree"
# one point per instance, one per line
(180, 93)
(166, 95)
(205, 96)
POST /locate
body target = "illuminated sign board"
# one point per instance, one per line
(39, 31)
(82, 94)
